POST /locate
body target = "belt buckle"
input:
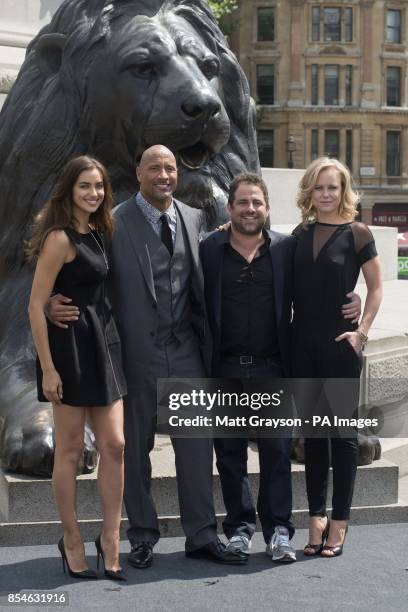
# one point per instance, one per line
(245, 360)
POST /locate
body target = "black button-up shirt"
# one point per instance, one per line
(248, 304)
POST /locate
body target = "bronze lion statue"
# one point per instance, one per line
(107, 78)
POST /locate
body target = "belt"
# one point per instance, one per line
(248, 360)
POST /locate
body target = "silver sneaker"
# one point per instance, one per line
(279, 548)
(240, 543)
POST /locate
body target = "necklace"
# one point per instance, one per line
(102, 250)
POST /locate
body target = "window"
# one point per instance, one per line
(314, 98)
(349, 149)
(348, 75)
(348, 24)
(331, 85)
(337, 23)
(393, 153)
(314, 144)
(266, 24)
(331, 143)
(265, 148)
(393, 26)
(332, 24)
(265, 83)
(316, 23)
(393, 86)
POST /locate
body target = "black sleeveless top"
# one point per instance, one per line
(87, 355)
(327, 262)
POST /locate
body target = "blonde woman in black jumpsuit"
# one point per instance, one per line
(79, 367)
(331, 250)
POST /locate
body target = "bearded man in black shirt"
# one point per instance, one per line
(248, 273)
(248, 281)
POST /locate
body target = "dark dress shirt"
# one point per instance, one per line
(248, 304)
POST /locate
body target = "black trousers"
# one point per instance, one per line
(275, 485)
(316, 356)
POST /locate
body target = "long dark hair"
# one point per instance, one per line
(57, 214)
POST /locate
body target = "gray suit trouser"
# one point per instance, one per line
(193, 456)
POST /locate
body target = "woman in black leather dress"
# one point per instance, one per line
(79, 365)
(331, 250)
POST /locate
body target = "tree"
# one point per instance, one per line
(222, 10)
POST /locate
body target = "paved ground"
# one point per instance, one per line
(372, 575)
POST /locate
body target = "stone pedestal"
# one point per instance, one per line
(28, 511)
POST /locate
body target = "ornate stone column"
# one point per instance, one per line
(356, 149)
(19, 23)
(296, 86)
(367, 86)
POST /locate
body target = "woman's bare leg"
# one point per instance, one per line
(107, 425)
(69, 424)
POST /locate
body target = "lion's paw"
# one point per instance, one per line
(27, 444)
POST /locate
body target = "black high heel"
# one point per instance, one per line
(336, 550)
(112, 574)
(86, 574)
(317, 548)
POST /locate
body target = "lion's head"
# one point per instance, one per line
(110, 78)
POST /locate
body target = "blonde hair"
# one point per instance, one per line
(349, 197)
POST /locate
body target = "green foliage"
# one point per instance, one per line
(221, 8)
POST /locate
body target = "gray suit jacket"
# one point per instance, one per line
(133, 292)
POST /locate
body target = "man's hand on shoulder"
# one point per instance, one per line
(224, 227)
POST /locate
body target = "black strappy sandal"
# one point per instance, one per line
(336, 550)
(317, 548)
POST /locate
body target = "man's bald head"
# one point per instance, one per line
(157, 176)
(154, 151)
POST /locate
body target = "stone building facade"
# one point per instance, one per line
(330, 77)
